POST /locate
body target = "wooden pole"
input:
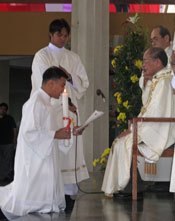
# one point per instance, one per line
(134, 160)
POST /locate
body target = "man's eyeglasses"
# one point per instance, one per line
(155, 39)
(145, 61)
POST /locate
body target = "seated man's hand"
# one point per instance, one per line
(147, 76)
(63, 134)
(122, 135)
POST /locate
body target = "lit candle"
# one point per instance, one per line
(65, 111)
(65, 106)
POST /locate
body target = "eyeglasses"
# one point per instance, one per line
(155, 39)
(145, 61)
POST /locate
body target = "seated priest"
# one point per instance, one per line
(153, 138)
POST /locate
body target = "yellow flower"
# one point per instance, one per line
(118, 95)
(138, 64)
(119, 100)
(106, 152)
(117, 49)
(118, 110)
(134, 78)
(103, 160)
(95, 162)
(113, 62)
(121, 116)
(126, 67)
(125, 104)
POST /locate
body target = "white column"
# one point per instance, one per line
(90, 39)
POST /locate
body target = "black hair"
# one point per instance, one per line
(163, 31)
(58, 25)
(4, 105)
(159, 53)
(53, 73)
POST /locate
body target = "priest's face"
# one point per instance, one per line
(58, 87)
(149, 65)
(59, 39)
(157, 40)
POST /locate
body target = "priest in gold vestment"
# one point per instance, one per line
(153, 138)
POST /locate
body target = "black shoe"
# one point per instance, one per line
(69, 204)
(158, 187)
(127, 196)
(122, 195)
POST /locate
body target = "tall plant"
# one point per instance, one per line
(127, 67)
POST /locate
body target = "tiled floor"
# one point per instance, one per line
(154, 206)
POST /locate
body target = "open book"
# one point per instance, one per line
(96, 114)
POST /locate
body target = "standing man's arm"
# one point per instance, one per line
(79, 78)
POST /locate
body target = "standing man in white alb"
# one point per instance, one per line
(55, 54)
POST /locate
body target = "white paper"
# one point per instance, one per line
(96, 114)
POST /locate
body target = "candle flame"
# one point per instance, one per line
(65, 90)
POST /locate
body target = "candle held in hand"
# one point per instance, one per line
(65, 111)
(65, 106)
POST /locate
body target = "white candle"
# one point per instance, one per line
(65, 112)
(65, 106)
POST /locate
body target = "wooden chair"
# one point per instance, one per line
(167, 153)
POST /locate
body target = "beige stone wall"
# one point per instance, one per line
(23, 33)
(148, 20)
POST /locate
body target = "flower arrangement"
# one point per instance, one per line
(127, 68)
(102, 160)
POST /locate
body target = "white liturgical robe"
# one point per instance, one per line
(153, 138)
(38, 184)
(54, 56)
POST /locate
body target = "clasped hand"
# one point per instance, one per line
(63, 133)
(147, 77)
